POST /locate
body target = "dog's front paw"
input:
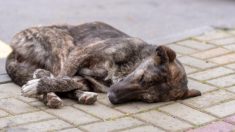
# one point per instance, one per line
(30, 88)
(88, 98)
(54, 102)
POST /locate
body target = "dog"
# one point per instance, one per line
(78, 61)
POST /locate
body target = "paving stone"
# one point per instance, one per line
(209, 99)
(71, 130)
(224, 41)
(4, 78)
(3, 113)
(215, 127)
(212, 35)
(50, 125)
(164, 121)
(230, 119)
(201, 64)
(211, 73)
(232, 32)
(196, 44)
(72, 115)
(231, 66)
(15, 106)
(223, 81)
(102, 98)
(136, 107)
(181, 49)
(232, 89)
(230, 47)
(224, 59)
(187, 113)
(39, 105)
(144, 129)
(26, 99)
(24, 118)
(69, 102)
(9, 90)
(211, 53)
(100, 110)
(189, 70)
(199, 86)
(223, 109)
(112, 125)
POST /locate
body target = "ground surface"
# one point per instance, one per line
(209, 60)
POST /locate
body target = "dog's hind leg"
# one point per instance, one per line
(51, 100)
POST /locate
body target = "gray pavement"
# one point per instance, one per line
(147, 19)
(209, 61)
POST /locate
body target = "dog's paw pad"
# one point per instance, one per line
(30, 88)
(88, 98)
(54, 102)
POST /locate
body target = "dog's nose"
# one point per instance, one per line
(112, 98)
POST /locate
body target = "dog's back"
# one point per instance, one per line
(47, 47)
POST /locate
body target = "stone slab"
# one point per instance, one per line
(50, 125)
(72, 115)
(223, 81)
(215, 127)
(223, 109)
(184, 112)
(211, 73)
(113, 125)
(164, 121)
(211, 53)
(209, 99)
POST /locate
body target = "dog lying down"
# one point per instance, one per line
(77, 61)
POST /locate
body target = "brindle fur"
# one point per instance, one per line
(68, 60)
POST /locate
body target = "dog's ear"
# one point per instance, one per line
(166, 54)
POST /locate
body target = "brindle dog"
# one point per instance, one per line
(77, 61)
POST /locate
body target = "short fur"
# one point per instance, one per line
(68, 60)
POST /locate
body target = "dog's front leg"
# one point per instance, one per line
(46, 85)
(49, 99)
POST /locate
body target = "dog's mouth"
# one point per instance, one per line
(127, 97)
(122, 93)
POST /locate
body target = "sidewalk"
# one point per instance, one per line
(209, 60)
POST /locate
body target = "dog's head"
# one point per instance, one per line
(160, 77)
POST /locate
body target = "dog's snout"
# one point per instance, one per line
(112, 98)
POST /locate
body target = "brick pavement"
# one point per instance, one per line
(209, 60)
